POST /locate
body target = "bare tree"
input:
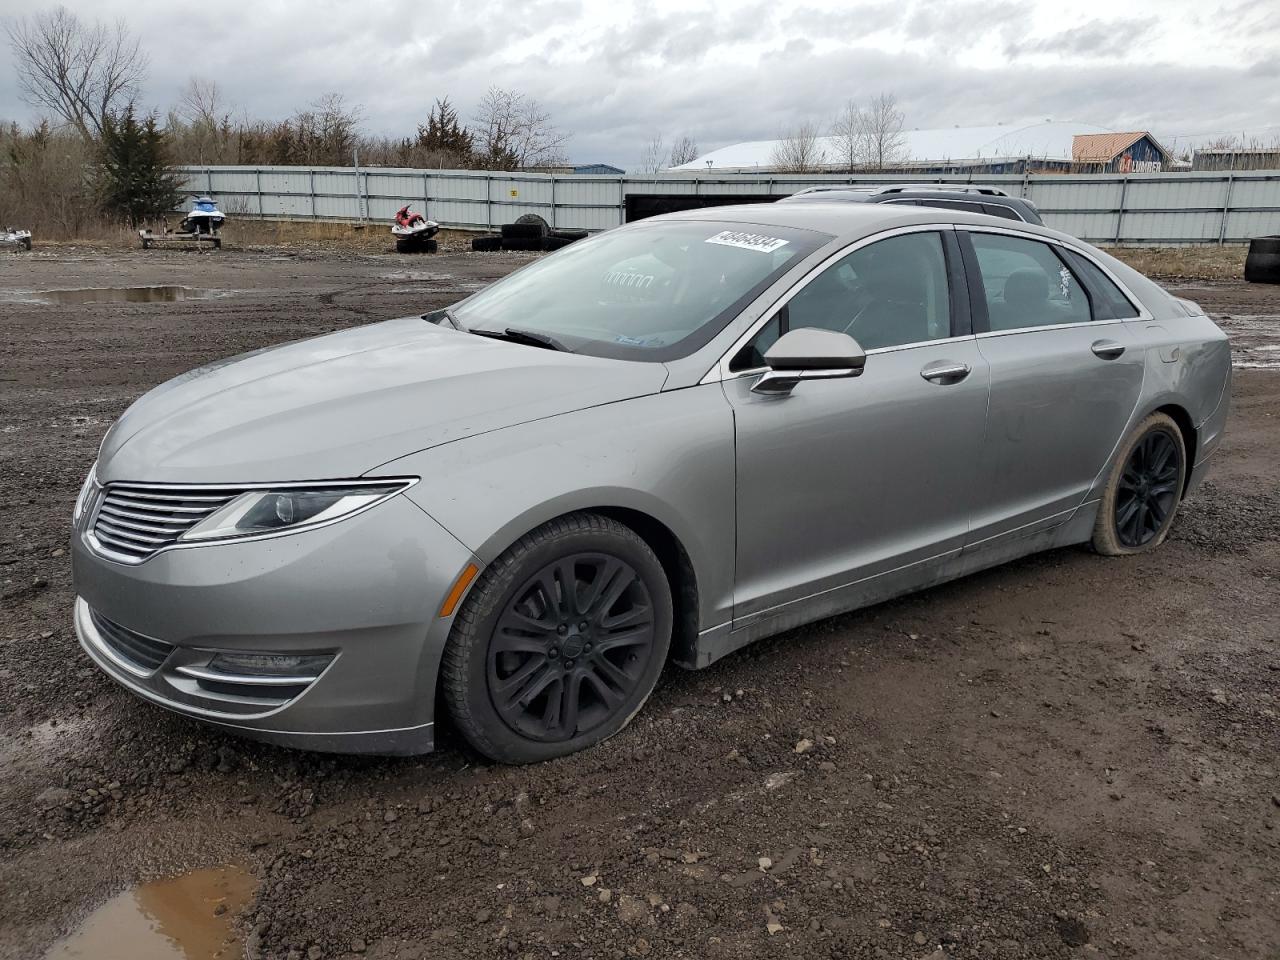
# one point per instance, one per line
(799, 151)
(514, 130)
(849, 130)
(684, 150)
(200, 102)
(80, 71)
(654, 157)
(886, 146)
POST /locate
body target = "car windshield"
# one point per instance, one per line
(652, 291)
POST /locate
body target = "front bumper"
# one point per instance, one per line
(364, 591)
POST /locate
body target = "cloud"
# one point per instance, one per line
(615, 74)
(1097, 38)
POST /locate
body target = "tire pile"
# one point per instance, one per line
(529, 232)
(1263, 263)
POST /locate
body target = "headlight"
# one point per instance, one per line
(86, 494)
(286, 509)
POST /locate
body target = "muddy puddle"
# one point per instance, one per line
(187, 917)
(1255, 339)
(157, 294)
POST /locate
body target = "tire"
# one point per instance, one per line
(430, 245)
(522, 231)
(519, 603)
(569, 234)
(1262, 265)
(532, 219)
(522, 243)
(1151, 472)
(26, 244)
(403, 246)
(554, 243)
(487, 244)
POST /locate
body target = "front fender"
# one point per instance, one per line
(668, 455)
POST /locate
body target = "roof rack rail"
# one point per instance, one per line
(943, 188)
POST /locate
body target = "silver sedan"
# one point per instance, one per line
(658, 444)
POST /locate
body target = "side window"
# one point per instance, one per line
(998, 210)
(1026, 285)
(1108, 302)
(887, 294)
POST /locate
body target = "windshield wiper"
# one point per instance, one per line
(530, 338)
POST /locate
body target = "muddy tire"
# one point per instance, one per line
(1143, 491)
(560, 642)
(486, 244)
(569, 233)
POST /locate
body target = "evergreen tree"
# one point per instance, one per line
(443, 131)
(135, 181)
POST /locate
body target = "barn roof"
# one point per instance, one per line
(1105, 147)
(1049, 140)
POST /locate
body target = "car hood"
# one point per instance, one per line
(339, 405)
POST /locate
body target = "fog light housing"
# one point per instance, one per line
(301, 667)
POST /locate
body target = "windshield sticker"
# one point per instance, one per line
(1064, 275)
(639, 341)
(747, 241)
(629, 278)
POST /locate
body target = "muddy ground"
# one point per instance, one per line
(1068, 756)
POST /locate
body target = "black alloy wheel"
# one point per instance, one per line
(1147, 492)
(571, 647)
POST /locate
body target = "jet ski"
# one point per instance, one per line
(204, 217)
(414, 233)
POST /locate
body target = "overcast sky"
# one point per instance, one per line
(613, 73)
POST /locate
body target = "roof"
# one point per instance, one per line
(842, 219)
(1104, 147)
(1049, 140)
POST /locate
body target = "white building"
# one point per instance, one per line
(998, 149)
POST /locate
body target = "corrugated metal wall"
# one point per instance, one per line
(1164, 208)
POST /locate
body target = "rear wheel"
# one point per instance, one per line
(560, 643)
(1143, 491)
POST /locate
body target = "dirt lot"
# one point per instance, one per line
(1068, 756)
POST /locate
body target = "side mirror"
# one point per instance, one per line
(809, 354)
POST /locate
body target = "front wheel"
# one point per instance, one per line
(561, 641)
(1144, 489)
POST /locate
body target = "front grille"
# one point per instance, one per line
(145, 653)
(135, 520)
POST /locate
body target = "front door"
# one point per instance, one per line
(848, 479)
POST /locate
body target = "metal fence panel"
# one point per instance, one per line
(1170, 208)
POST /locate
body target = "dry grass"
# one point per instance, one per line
(1197, 263)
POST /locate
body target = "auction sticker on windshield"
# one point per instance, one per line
(747, 241)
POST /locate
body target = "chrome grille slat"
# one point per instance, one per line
(144, 517)
(117, 531)
(182, 496)
(144, 527)
(133, 521)
(125, 501)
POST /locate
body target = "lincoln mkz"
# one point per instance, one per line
(655, 445)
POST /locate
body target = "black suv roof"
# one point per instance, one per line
(961, 196)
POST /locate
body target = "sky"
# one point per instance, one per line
(614, 74)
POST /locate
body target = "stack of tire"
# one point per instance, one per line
(529, 232)
(1263, 263)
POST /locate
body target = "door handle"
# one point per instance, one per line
(1107, 349)
(945, 371)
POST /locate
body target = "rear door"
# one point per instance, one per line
(1066, 374)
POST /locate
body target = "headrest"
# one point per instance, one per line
(1026, 289)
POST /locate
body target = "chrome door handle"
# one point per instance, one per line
(1107, 349)
(944, 371)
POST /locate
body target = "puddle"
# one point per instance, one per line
(158, 294)
(188, 917)
(1255, 339)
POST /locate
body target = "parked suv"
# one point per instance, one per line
(973, 199)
